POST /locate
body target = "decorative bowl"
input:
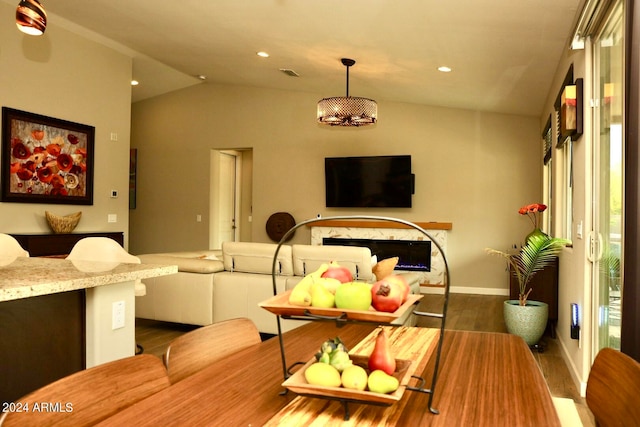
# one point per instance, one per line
(63, 224)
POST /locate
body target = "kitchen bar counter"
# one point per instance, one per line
(29, 277)
(57, 317)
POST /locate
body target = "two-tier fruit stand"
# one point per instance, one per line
(279, 306)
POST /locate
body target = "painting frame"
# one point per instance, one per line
(46, 160)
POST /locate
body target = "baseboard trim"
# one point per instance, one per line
(465, 290)
(573, 371)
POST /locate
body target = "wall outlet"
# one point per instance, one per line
(117, 318)
(112, 218)
(113, 194)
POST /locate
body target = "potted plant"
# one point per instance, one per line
(523, 317)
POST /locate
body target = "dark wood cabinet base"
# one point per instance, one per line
(42, 340)
(58, 244)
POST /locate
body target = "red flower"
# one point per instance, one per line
(24, 174)
(45, 175)
(54, 149)
(532, 212)
(59, 191)
(20, 151)
(65, 162)
(37, 134)
(57, 181)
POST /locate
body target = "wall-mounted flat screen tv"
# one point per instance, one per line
(371, 182)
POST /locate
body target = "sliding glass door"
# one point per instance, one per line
(608, 172)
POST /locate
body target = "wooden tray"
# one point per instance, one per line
(298, 384)
(280, 306)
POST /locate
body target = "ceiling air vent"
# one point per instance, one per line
(289, 72)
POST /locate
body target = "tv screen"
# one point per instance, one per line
(372, 182)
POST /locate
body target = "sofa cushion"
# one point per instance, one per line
(192, 262)
(250, 257)
(308, 258)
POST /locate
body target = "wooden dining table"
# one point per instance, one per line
(484, 379)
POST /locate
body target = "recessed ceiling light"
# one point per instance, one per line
(202, 77)
(444, 69)
(134, 83)
(263, 54)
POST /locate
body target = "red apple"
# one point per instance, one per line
(402, 282)
(386, 295)
(335, 271)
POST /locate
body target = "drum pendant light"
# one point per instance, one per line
(347, 110)
(31, 17)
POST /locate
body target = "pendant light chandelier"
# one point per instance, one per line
(347, 110)
(31, 18)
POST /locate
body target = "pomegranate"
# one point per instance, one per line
(336, 271)
(386, 295)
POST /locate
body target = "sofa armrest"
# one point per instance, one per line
(190, 262)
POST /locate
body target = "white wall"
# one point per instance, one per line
(574, 279)
(472, 169)
(68, 77)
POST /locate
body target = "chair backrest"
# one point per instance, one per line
(92, 395)
(613, 389)
(101, 249)
(199, 348)
(9, 247)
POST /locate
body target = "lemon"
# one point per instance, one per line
(354, 377)
(322, 374)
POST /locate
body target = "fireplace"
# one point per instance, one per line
(414, 255)
(386, 230)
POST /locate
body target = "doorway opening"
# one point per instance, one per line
(229, 196)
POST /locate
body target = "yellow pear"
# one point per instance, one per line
(330, 283)
(321, 297)
(322, 374)
(381, 382)
(354, 377)
(301, 295)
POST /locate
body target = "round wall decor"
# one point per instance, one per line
(278, 224)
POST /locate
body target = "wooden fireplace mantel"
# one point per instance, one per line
(381, 224)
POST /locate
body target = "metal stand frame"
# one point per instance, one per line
(342, 319)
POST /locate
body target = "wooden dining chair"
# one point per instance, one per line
(613, 389)
(199, 348)
(90, 396)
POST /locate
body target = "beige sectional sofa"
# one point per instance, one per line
(212, 286)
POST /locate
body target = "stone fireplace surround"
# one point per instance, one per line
(387, 230)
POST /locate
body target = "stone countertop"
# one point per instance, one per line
(25, 277)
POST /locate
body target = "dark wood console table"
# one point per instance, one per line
(59, 244)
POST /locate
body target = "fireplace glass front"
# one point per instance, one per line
(414, 255)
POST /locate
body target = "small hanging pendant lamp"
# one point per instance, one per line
(31, 17)
(347, 110)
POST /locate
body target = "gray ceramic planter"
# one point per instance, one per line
(528, 322)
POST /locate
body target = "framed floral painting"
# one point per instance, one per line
(46, 160)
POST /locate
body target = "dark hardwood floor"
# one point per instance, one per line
(466, 312)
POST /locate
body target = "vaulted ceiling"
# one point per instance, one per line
(503, 53)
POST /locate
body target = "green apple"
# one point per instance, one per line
(353, 296)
